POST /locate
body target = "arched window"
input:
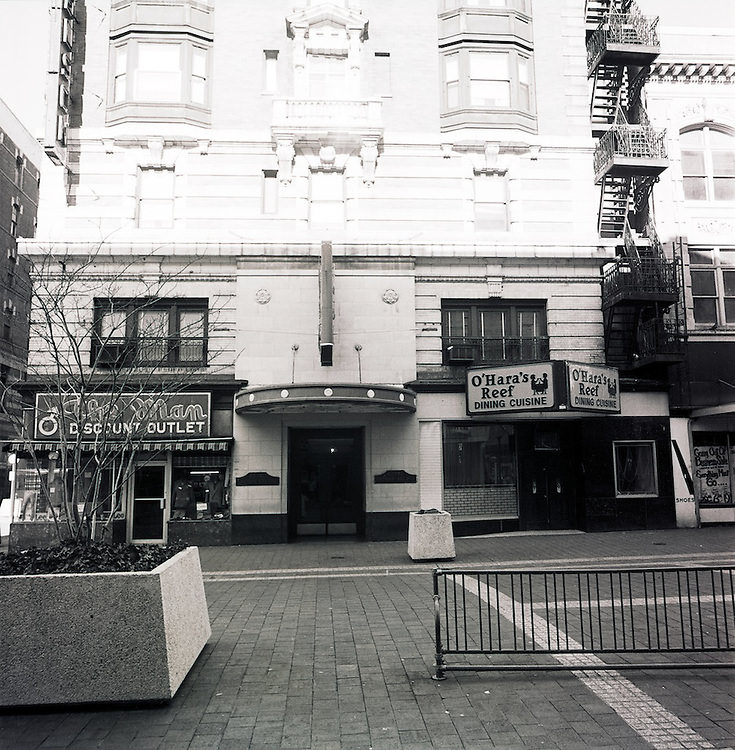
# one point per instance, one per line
(708, 164)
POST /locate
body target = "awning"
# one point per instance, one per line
(325, 397)
(210, 445)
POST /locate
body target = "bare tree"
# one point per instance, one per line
(103, 366)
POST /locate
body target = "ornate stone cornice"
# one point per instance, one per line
(693, 71)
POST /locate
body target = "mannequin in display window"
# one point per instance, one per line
(214, 495)
(183, 500)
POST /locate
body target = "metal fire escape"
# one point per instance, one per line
(640, 290)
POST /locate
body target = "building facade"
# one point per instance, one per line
(691, 94)
(374, 235)
(20, 162)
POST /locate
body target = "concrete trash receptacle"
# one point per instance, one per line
(430, 535)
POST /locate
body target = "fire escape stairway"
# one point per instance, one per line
(614, 205)
(621, 325)
(596, 11)
(607, 91)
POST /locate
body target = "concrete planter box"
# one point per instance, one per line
(101, 637)
(430, 536)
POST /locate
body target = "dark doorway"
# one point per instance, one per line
(326, 482)
(548, 477)
(149, 501)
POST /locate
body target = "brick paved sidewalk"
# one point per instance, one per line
(325, 660)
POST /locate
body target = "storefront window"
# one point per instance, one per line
(479, 455)
(635, 469)
(714, 459)
(199, 490)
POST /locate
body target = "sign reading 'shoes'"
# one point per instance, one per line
(593, 387)
(516, 388)
(153, 416)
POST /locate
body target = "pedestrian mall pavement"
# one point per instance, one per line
(329, 644)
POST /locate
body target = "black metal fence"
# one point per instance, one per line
(575, 615)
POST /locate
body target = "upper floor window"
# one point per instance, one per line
(708, 164)
(712, 272)
(327, 199)
(491, 202)
(481, 331)
(14, 219)
(154, 79)
(487, 79)
(155, 197)
(150, 332)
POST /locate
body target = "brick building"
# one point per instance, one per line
(20, 162)
(382, 228)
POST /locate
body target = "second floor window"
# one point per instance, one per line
(155, 197)
(153, 72)
(485, 332)
(712, 271)
(708, 164)
(150, 332)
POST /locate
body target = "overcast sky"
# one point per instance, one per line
(24, 48)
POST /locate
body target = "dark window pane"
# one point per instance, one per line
(478, 455)
(703, 283)
(730, 311)
(705, 311)
(728, 278)
(635, 472)
(700, 257)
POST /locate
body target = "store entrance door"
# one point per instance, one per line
(547, 481)
(148, 505)
(326, 482)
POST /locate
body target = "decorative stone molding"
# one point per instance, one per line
(155, 147)
(707, 110)
(369, 156)
(262, 296)
(693, 72)
(390, 296)
(285, 153)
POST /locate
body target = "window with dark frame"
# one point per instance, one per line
(712, 273)
(635, 468)
(708, 163)
(150, 332)
(479, 455)
(481, 331)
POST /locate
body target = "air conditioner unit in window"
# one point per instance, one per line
(111, 354)
(460, 354)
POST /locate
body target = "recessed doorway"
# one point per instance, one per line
(326, 484)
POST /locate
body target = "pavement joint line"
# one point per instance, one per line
(645, 715)
(357, 570)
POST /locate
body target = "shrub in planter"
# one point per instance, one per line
(87, 637)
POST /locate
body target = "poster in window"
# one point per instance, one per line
(712, 482)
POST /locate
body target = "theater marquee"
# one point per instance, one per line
(543, 386)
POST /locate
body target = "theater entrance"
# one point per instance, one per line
(326, 483)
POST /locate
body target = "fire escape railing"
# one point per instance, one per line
(630, 141)
(639, 277)
(631, 28)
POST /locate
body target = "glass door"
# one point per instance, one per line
(148, 506)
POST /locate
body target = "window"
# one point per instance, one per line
(712, 271)
(155, 197)
(327, 203)
(152, 72)
(328, 76)
(478, 455)
(382, 74)
(488, 79)
(270, 71)
(491, 203)
(270, 191)
(19, 166)
(150, 332)
(635, 469)
(708, 164)
(480, 331)
(14, 219)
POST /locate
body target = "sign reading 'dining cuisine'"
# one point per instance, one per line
(153, 416)
(593, 387)
(515, 388)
